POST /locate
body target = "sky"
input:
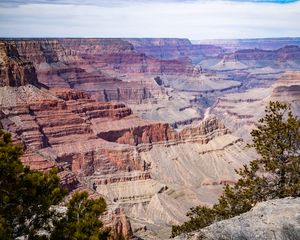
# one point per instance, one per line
(193, 19)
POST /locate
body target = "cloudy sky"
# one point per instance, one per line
(194, 19)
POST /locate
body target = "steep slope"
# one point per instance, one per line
(189, 168)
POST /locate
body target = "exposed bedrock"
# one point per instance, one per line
(260, 223)
(14, 70)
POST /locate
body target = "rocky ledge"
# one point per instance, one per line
(274, 219)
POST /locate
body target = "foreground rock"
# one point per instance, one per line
(274, 219)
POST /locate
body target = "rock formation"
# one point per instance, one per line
(257, 43)
(135, 163)
(14, 70)
(274, 219)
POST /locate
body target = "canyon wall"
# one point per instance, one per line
(116, 69)
(14, 71)
(287, 57)
(172, 48)
(241, 111)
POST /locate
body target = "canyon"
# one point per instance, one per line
(155, 126)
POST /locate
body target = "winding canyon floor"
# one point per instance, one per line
(156, 126)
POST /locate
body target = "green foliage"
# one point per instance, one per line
(277, 140)
(27, 197)
(276, 174)
(82, 219)
(200, 217)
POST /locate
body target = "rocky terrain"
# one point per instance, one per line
(274, 219)
(157, 125)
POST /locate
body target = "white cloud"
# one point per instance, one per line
(194, 20)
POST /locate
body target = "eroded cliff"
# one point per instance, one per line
(14, 70)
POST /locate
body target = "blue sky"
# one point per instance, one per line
(194, 19)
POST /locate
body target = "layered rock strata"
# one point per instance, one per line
(287, 57)
(146, 167)
(172, 48)
(113, 69)
(241, 111)
(140, 165)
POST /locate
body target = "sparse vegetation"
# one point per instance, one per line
(26, 198)
(276, 174)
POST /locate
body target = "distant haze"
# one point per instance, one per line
(193, 19)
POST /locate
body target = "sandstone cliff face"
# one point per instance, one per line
(274, 219)
(40, 51)
(14, 70)
(168, 48)
(287, 57)
(120, 56)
